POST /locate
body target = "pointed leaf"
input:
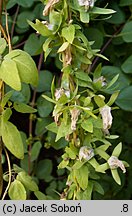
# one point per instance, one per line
(81, 175)
(87, 125)
(25, 65)
(27, 181)
(23, 108)
(63, 47)
(12, 139)
(112, 81)
(35, 150)
(9, 74)
(113, 98)
(6, 98)
(117, 150)
(2, 45)
(17, 191)
(102, 168)
(40, 27)
(97, 10)
(116, 176)
(69, 33)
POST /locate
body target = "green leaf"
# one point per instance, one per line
(33, 45)
(62, 143)
(63, 164)
(17, 191)
(24, 163)
(102, 168)
(126, 32)
(71, 154)
(6, 98)
(93, 162)
(124, 100)
(102, 153)
(22, 96)
(69, 33)
(45, 80)
(94, 34)
(55, 19)
(82, 75)
(2, 45)
(41, 125)
(63, 47)
(27, 181)
(117, 150)
(24, 140)
(63, 130)
(35, 150)
(81, 175)
(25, 3)
(87, 194)
(44, 168)
(9, 73)
(78, 165)
(127, 65)
(12, 139)
(97, 72)
(49, 99)
(52, 127)
(112, 81)
(99, 100)
(87, 125)
(44, 106)
(26, 67)
(6, 114)
(97, 187)
(40, 195)
(119, 16)
(22, 19)
(23, 108)
(125, 3)
(84, 17)
(40, 27)
(109, 72)
(116, 176)
(97, 10)
(113, 98)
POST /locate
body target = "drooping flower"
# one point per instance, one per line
(86, 153)
(102, 80)
(86, 3)
(60, 91)
(74, 117)
(48, 6)
(107, 118)
(114, 163)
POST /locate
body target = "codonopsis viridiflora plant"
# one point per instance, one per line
(81, 112)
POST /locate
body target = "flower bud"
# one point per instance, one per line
(107, 118)
(86, 153)
(86, 3)
(74, 117)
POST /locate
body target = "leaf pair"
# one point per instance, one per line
(18, 67)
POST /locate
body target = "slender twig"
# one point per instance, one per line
(31, 117)
(105, 46)
(1, 7)
(7, 30)
(14, 21)
(19, 45)
(9, 168)
(3, 32)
